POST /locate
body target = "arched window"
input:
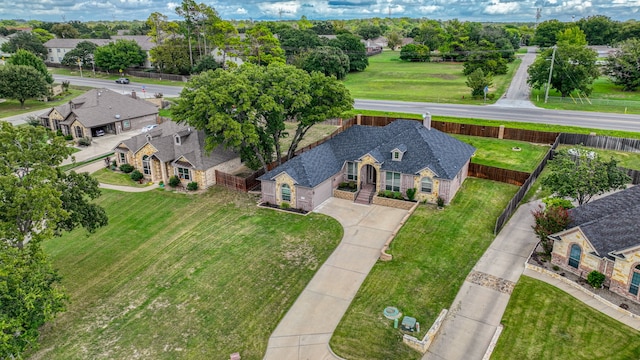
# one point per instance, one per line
(285, 192)
(635, 280)
(146, 165)
(426, 185)
(574, 255)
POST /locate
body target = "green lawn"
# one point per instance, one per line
(606, 97)
(432, 255)
(182, 276)
(114, 76)
(12, 107)
(544, 322)
(389, 78)
(500, 153)
(625, 159)
(107, 176)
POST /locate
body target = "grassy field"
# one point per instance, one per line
(500, 153)
(114, 76)
(389, 78)
(180, 276)
(115, 178)
(543, 322)
(510, 124)
(12, 107)
(432, 255)
(606, 97)
(625, 159)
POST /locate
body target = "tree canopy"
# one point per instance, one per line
(26, 41)
(477, 81)
(623, 65)
(245, 109)
(415, 53)
(328, 60)
(172, 56)
(355, 50)
(24, 57)
(22, 82)
(119, 55)
(82, 53)
(580, 175)
(262, 47)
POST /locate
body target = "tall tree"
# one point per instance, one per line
(295, 41)
(22, 82)
(172, 56)
(354, 48)
(571, 36)
(24, 57)
(574, 69)
(477, 81)
(43, 35)
(26, 41)
(415, 53)
(623, 66)
(83, 53)
(599, 29)
(546, 33)
(369, 31)
(394, 39)
(580, 174)
(65, 31)
(187, 10)
(328, 60)
(119, 55)
(262, 47)
(431, 34)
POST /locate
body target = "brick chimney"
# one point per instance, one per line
(426, 120)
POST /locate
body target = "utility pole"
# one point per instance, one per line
(553, 58)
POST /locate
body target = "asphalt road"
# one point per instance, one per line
(507, 112)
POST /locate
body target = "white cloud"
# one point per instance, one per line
(241, 11)
(498, 8)
(278, 8)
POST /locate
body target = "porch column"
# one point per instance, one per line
(163, 171)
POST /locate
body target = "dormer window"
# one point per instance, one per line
(396, 154)
(178, 140)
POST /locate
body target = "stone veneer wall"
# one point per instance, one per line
(345, 195)
(423, 345)
(394, 203)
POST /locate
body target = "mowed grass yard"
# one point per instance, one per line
(625, 159)
(181, 276)
(432, 255)
(389, 78)
(500, 153)
(544, 322)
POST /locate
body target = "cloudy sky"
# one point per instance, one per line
(475, 10)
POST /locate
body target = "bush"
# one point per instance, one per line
(174, 181)
(136, 175)
(126, 168)
(192, 186)
(285, 205)
(84, 141)
(68, 137)
(595, 279)
(549, 221)
(411, 194)
(556, 201)
(440, 201)
(398, 195)
(34, 121)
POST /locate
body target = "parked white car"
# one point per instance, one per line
(148, 128)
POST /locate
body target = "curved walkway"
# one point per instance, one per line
(97, 165)
(304, 332)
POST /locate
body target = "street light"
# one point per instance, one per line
(80, 66)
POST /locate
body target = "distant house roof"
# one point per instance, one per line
(190, 146)
(99, 107)
(144, 41)
(72, 43)
(425, 148)
(611, 223)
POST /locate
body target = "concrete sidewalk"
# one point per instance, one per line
(517, 95)
(100, 146)
(477, 310)
(305, 330)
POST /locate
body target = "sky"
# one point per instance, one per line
(470, 10)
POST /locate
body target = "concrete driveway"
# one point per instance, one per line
(305, 330)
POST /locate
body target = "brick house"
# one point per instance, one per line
(100, 111)
(175, 149)
(404, 154)
(604, 235)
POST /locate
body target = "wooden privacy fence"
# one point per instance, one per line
(237, 182)
(601, 142)
(497, 174)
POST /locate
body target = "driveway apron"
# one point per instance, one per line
(479, 305)
(305, 330)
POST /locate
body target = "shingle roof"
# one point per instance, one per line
(425, 148)
(191, 146)
(99, 107)
(611, 223)
(72, 43)
(144, 41)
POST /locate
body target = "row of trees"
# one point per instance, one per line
(598, 30)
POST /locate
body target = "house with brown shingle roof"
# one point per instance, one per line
(173, 149)
(100, 112)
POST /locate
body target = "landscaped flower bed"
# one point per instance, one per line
(283, 208)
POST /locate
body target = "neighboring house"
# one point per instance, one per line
(100, 111)
(57, 48)
(174, 149)
(404, 154)
(231, 55)
(3, 55)
(604, 235)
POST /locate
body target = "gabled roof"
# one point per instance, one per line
(191, 146)
(102, 106)
(72, 43)
(430, 148)
(612, 223)
(144, 41)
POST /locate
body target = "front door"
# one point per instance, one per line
(371, 175)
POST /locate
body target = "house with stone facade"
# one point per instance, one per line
(603, 235)
(100, 112)
(402, 155)
(174, 149)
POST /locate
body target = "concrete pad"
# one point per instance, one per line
(521, 246)
(315, 339)
(315, 352)
(346, 212)
(383, 218)
(336, 282)
(354, 258)
(469, 343)
(284, 353)
(501, 264)
(481, 304)
(312, 313)
(367, 237)
(284, 341)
